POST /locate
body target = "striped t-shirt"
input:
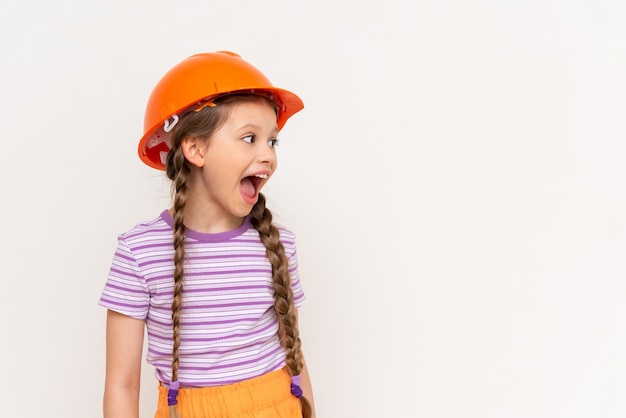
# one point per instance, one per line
(228, 325)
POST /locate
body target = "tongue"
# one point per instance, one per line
(247, 188)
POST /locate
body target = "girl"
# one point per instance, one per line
(212, 279)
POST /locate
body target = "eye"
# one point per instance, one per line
(248, 138)
(274, 142)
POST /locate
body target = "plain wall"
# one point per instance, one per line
(456, 183)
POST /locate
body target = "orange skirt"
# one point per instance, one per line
(266, 396)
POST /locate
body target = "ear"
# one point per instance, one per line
(193, 150)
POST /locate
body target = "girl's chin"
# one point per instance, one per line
(243, 209)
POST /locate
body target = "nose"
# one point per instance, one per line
(266, 154)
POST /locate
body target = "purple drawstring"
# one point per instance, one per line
(295, 386)
(172, 393)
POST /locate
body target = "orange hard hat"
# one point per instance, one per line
(197, 79)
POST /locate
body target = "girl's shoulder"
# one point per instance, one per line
(287, 236)
(155, 226)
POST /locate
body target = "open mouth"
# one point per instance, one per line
(250, 187)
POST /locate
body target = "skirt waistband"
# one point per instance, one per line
(248, 398)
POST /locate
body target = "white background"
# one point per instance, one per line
(456, 182)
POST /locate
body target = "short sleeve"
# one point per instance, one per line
(288, 240)
(126, 290)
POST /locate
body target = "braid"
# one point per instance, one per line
(178, 171)
(288, 332)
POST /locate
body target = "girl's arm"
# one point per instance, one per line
(124, 345)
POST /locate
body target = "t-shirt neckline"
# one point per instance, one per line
(203, 236)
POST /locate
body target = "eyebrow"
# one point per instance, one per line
(251, 125)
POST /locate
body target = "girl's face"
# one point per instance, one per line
(237, 161)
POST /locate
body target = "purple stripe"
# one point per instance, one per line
(214, 306)
(229, 256)
(229, 272)
(165, 276)
(187, 290)
(236, 305)
(244, 335)
(122, 289)
(166, 261)
(159, 353)
(204, 323)
(216, 353)
(214, 323)
(140, 232)
(124, 257)
(134, 306)
(213, 274)
(152, 246)
(256, 241)
(227, 288)
(123, 273)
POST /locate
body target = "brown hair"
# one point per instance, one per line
(203, 124)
